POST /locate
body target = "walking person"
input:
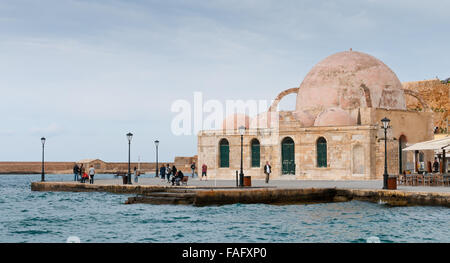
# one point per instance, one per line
(168, 171)
(136, 174)
(162, 172)
(91, 174)
(204, 170)
(76, 171)
(267, 171)
(193, 169)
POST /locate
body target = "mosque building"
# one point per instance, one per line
(335, 131)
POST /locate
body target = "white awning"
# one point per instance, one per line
(438, 144)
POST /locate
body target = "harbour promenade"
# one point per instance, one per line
(219, 192)
(289, 183)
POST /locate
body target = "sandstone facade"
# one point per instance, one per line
(353, 152)
(335, 131)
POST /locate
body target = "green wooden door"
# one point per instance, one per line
(288, 156)
(321, 152)
(224, 153)
(255, 153)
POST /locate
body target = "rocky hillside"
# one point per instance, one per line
(436, 94)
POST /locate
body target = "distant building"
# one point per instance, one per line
(96, 163)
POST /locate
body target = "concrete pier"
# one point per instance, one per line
(203, 196)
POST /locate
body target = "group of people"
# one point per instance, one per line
(173, 175)
(81, 175)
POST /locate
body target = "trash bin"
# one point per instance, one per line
(392, 182)
(124, 179)
(247, 181)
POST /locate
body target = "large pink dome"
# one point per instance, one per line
(350, 80)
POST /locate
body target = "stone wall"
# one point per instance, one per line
(435, 94)
(414, 126)
(35, 167)
(182, 163)
(202, 197)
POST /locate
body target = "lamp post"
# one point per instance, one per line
(241, 174)
(156, 144)
(43, 171)
(385, 121)
(129, 137)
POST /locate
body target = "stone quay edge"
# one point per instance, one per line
(204, 196)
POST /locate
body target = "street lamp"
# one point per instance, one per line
(241, 174)
(156, 144)
(43, 173)
(385, 121)
(129, 137)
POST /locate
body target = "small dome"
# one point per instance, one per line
(265, 120)
(235, 121)
(334, 117)
(306, 119)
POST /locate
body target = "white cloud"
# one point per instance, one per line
(48, 131)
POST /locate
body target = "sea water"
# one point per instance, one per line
(27, 216)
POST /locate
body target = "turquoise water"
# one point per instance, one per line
(28, 216)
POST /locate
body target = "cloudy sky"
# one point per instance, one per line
(84, 73)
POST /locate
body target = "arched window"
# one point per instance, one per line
(224, 154)
(288, 156)
(255, 153)
(321, 147)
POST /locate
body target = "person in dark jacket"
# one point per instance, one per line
(177, 178)
(267, 171)
(435, 165)
(168, 171)
(162, 172)
(193, 169)
(76, 172)
(82, 172)
(174, 171)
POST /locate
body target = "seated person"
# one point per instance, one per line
(84, 178)
(177, 178)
